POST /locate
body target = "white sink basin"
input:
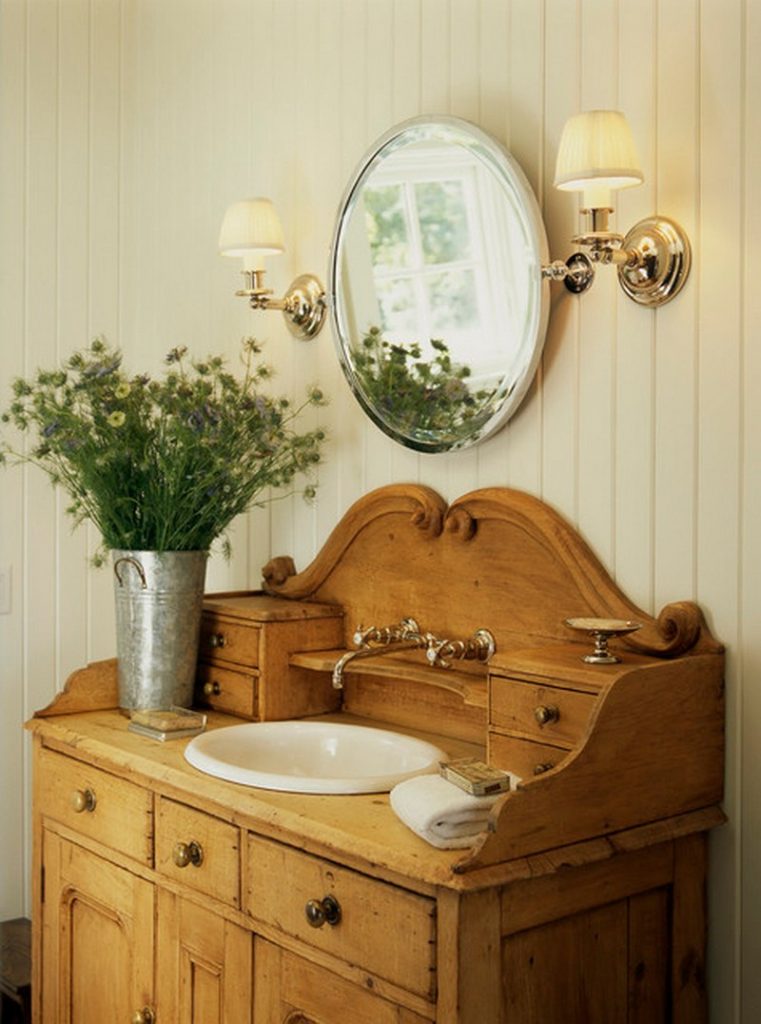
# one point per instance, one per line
(312, 757)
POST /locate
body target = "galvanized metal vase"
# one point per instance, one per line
(159, 595)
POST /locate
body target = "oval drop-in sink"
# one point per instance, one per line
(312, 757)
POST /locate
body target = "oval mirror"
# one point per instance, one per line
(435, 285)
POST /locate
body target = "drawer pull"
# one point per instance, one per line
(545, 766)
(188, 853)
(325, 911)
(217, 640)
(546, 713)
(297, 1017)
(212, 689)
(144, 1016)
(83, 800)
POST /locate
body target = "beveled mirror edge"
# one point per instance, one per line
(540, 246)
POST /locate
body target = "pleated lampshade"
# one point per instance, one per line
(596, 155)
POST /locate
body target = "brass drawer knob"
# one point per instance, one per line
(83, 800)
(324, 911)
(217, 640)
(545, 766)
(212, 689)
(546, 713)
(188, 853)
(144, 1016)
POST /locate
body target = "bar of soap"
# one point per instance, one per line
(475, 777)
(168, 719)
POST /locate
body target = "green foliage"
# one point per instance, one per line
(427, 399)
(166, 464)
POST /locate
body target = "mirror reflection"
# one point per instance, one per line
(437, 297)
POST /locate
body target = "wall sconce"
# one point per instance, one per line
(251, 230)
(596, 156)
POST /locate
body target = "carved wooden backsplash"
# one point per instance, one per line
(495, 558)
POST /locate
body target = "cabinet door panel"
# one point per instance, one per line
(291, 990)
(204, 965)
(97, 938)
(574, 969)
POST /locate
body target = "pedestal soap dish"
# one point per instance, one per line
(602, 630)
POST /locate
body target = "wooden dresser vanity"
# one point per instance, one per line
(165, 895)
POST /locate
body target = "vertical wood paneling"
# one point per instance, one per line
(280, 104)
(521, 452)
(633, 423)
(676, 360)
(561, 353)
(330, 175)
(40, 335)
(127, 126)
(493, 116)
(597, 313)
(310, 250)
(350, 431)
(102, 169)
(718, 425)
(73, 267)
(13, 798)
(749, 640)
(246, 167)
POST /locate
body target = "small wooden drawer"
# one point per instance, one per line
(226, 690)
(388, 931)
(228, 640)
(198, 850)
(550, 714)
(523, 757)
(100, 806)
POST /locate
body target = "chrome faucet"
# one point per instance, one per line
(404, 637)
(375, 641)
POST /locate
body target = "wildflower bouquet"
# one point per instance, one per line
(166, 464)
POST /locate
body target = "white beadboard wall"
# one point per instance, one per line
(126, 126)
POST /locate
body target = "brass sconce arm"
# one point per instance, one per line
(303, 305)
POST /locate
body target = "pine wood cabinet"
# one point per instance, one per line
(97, 937)
(162, 895)
(203, 964)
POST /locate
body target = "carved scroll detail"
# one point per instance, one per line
(460, 523)
(428, 519)
(680, 627)
(278, 570)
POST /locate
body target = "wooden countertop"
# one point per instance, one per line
(360, 830)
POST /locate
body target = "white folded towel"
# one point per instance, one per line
(440, 812)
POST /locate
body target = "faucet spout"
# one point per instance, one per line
(350, 655)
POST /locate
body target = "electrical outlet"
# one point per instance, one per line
(5, 590)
